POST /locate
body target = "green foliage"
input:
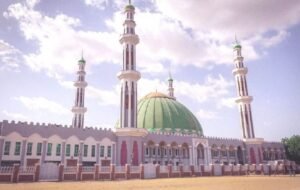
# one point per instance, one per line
(292, 148)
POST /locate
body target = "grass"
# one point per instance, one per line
(199, 183)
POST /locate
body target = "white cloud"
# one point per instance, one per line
(100, 4)
(14, 116)
(204, 114)
(271, 40)
(42, 104)
(32, 3)
(9, 57)
(58, 54)
(103, 97)
(164, 39)
(212, 89)
(175, 32)
(66, 84)
(227, 102)
(222, 19)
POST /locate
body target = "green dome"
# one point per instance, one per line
(159, 112)
(81, 61)
(237, 46)
(129, 7)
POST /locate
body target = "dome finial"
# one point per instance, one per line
(170, 75)
(129, 2)
(236, 41)
(82, 59)
(82, 54)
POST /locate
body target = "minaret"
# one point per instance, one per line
(129, 75)
(79, 109)
(170, 88)
(243, 100)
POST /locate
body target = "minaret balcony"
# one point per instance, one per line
(129, 23)
(80, 84)
(79, 110)
(240, 71)
(244, 99)
(129, 74)
(81, 72)
(129, 38)
(239, 58)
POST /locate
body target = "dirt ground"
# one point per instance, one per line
(199, 183)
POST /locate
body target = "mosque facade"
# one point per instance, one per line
(157, 129)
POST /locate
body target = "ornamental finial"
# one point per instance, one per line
(129, 2)
(236, 41)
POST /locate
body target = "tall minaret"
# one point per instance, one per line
(79, 109)
(129, 75)
(170, 88)
(243, 100)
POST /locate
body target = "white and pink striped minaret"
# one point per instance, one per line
(80, 84)
(243, 100)
(170, 86)
(129, 75)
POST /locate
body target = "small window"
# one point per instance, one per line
(102, 151)
(17, 148)
(109, 151)
(153, 151)
(39, 149)
(76, 150)
(93, 150)
(29, 149)
(6, 148)
(232, 153)
(58, 149)
(85, 150)
(49, 149)
(147, 151)
(224, 153)
(68, 150)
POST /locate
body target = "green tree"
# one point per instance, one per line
(292, 148)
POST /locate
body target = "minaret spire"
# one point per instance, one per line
(170, 88)
(243, 100)
(78, 108)
(236, 41)
(129, 75)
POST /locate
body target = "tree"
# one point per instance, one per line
(292, 148)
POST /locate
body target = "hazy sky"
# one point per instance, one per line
(41, 42)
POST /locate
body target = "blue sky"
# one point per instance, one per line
(41, 42)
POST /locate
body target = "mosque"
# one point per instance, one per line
(157, 129)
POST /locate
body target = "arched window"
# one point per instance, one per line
(185, 150)
(200, 151)
(223, 151)
(231, 151)
(214, 151)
